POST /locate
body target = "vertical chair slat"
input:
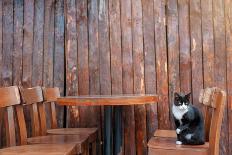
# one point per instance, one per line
(22, 125)
(35, 119)
(42, 115)
(10, 126)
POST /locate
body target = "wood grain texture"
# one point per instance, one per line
(139, 86)
(97, 100)
(116, 69)
(37, 61)
(208, 42)
(127, 77)
(184, 35)
(94, 70)
(161, 64)
(149, 63)
(59, 56)
(83, 66)
(173, 52)
(18, 42)
(105, 74)
(7, 42)
(28, 42)
(48, 43)
(228, 15)
(71, 60)
(94, 61)
(49, 149)
(220, 64)
(196, 50)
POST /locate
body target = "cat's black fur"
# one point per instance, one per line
(191, 122)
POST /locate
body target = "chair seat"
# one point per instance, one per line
(167, 146)
(81, 141)
(91, 132)
(165, 133)
(48, 149)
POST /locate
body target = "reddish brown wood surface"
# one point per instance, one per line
(161, 64)
(208, 42)
(37, 61)
(220, 65)
(18, 42)
(71, 60)
(184, 35)
(59, 61)
(173, 51)
(127, 76)
(83, 66)
(97, 100)
(49, 149)
(75, 45)
(228, 15)
(196, 50)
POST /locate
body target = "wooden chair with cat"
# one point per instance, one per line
(164, 141)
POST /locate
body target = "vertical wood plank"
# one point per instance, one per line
(161, 64)
(127, 73)
(228, 15)
(1, 41)
(208, 42)
(173, 52)
(196, 50)
(73, 117)
(105, 75)
(184, 35)
(138, 66)
(59, 58)
(220, 65)
(48, 43)
(7, 42)
(37, 72)
(149, 60)
(116, 69)
(18, 42)
(94, 69)
(28, 42)
(83, 66)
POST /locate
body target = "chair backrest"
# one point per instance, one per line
(50, 96)
(9, 102)
(214, 101)
(33, 98)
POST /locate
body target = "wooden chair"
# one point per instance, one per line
(9, 103)
(33, 97)
(163, 142)
(50, 97)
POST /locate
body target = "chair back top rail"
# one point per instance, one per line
(32, 95)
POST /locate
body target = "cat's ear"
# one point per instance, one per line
(176, 95)
(187, 96)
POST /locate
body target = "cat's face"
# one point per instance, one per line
(182, 101)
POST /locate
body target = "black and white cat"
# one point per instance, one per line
(189, 121)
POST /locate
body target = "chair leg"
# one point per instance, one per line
(94, 148)
(85, 149)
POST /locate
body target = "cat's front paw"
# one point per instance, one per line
(178, 131)
(178, 143)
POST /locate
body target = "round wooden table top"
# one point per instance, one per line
(112, 100)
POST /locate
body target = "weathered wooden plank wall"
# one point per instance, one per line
(119, 46)
(32, 45)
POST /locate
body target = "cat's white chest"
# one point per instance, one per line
(178, 114)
